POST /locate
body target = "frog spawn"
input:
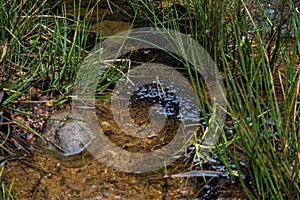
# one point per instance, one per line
(160, 104)
(153, 103)
(165, 102)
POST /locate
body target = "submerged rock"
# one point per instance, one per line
(67, 138)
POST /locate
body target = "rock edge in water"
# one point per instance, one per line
(67, 138)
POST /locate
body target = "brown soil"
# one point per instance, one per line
(45, 178)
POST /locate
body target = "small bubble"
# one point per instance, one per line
(211, 159)
(232, 166)
(219, 168)
(176, 157)
(175, 101)
(140, 93)
(187, 106)
(147, 51)
(143, 89)
(269, 122)
(191, 148)
(243, 164)
(153, 94)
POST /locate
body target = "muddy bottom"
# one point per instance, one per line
(46, 178)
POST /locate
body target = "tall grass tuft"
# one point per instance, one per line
(260, 66)
(42, 49)
(262, 79)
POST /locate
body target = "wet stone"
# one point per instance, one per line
(67, 138)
